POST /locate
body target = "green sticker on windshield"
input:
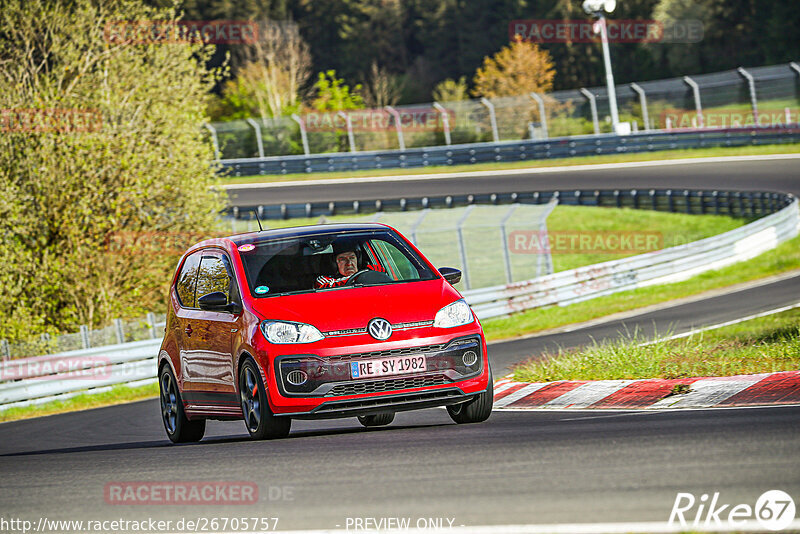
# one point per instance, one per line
(262, 290)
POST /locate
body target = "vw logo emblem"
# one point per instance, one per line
(379, 328)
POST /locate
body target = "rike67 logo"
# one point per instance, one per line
(773, 510)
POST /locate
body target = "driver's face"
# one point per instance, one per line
(347, 263)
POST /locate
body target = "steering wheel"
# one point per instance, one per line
(352, 280)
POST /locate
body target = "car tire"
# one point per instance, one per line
(179, 428)
(261, 423)
(476, 410)
(378, 419)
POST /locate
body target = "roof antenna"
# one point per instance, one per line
(260, 229)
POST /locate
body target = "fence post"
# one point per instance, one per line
(462, 249)
(119, 330)
(151, 320)
(445, 121)
(214, 140)
(542, 114)
(350, 139)
(697, 104)
(398, 126)
(257, 128)
(643, 103)
(492, 119)
(85, 342)
(5, 350)
(417, 223)
(751, 83)
(593, 104)
(547, 258)
(303, 134)
(504, 235)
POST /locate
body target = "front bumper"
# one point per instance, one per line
(330, 391)
(371, 405)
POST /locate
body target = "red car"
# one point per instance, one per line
(316, 322)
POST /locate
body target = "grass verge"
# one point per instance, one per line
(116, 395)
(785, 257)
(789, 148)
(763, 345)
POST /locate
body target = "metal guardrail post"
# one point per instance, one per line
(445, 121)
(398, 126)
(85, 342)
(303, 134)
(214, 140)
(593, 104)
(260, 143)
(697, 104)
(492, 118)
(751, 83)
(506, 246)
(542, 114)
(643, 102)
(462, 248)
(350, 139)
(795, 67)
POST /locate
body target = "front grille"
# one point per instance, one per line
(407, 401)
(410, 351)
(377, 386)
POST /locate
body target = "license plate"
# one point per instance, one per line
(387, 366)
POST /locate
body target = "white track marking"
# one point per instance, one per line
(587, 394)
(720, 325)
(519, 394)
(707, 393)
(512, 172)
(560, 528)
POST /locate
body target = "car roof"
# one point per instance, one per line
(305, 231)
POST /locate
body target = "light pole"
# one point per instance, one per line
(599, 8)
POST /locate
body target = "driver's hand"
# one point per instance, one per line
(376, 268)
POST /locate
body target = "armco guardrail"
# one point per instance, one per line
(34, 380)
(662, 266)
(689, 201)
(60, 376)
(563, 147)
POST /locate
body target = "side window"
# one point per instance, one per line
(398, 266)
(213, 276)
(187, 280)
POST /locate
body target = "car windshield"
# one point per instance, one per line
(329, 261)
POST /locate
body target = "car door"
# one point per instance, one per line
(209, 363)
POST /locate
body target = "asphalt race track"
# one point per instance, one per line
(779, 175)
(535, 467)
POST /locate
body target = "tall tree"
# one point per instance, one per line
(135, 165)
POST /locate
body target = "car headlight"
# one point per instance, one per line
(287, 332)
(455, 314)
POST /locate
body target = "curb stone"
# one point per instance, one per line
(766, 389)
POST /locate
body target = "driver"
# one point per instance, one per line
(346, 256)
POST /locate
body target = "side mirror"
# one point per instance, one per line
(450, 274)
(216, 301)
